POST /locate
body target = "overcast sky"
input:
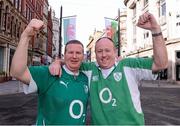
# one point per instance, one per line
(90, 14)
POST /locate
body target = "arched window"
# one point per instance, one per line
(14, 2)
(9, 23)
(1, 13)
(11, 31)
(15, 28)
(5, 18)
(20, 5)
(19, 30)
(17, 4)
(1, 10)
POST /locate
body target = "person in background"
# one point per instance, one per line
(114, 93)
(61, 100)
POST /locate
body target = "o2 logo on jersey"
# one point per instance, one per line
(117, 76)
(76, 116)
(109, 99)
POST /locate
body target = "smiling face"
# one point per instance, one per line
(105, 53)
(73, 56)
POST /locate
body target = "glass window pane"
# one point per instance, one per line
(1, 58)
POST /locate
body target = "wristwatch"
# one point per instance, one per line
(156, 34)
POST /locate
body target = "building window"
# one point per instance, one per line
(146, 35)
(1, 58)
(27, 11)
(37, 6)
(163, 74)
(5, 15)
(15, 29)
(12, 1)
(9, 24)
(178, 55)
(1, 8)
(19, 30)
(134, 11)
(178, 15)
(11, 31)
(178, 24)
(29, 14)
(134, 28)
(146, 2)
(178, 72)
(162, 12)
(20, 4)
(162, 8)
(17, 4)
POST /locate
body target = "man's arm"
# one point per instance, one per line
(56, 70)
(148, 21)
(19, 67)
(55, 67)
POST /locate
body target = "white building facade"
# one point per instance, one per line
(139, 41)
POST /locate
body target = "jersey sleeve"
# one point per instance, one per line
(142, 68)
(40, 74)
(146, 73)
(86, 66)
(31, 88)
(141, 63)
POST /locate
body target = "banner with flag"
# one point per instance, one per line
(111, 30)
(69, 26)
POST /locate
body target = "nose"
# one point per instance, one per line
(74, 55)
(103, 53)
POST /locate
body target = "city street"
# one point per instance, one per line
(18, 109)
(160, 103)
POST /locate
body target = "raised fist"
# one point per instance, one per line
(33, 27)
(147, 21)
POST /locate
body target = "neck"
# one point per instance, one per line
(71, 72)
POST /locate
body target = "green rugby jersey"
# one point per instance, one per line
(116, 99)
(61, 101)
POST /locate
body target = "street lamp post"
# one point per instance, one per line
(60, 31)
(119, 40)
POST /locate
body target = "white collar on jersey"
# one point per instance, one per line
(70, 72)
(106, 72)
(115, 64)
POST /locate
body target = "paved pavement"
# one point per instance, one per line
(10, 87)
(161, 106)
(160, 103)
(18, 109)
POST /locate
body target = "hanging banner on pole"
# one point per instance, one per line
(69, 26)
(111, 30)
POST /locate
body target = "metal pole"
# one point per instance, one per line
(60, 31)
(119, 40)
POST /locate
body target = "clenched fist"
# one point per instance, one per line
(33, 27)
(147, 21)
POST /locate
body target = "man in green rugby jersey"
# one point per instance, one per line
(61, 100)
(114, 93)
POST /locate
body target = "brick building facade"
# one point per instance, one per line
(14, 17)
